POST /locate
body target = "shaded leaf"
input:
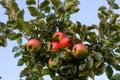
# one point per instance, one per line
(15, 48)
(20, 62)
(3, 41)
(15, 36)
(102, 8)
(116, 67)
(92, 35)
(56, 2)
(115, 6)
(61, 10)
(115, 77)
(45, 71)
(109, 71)
(33, 11)
(15, 6)
(89, 62)
(45, 3)
(19, 41)
(30, 2)
(17, 54)
(41, 22)
(20, 14)
(24, 72)
(98, 56)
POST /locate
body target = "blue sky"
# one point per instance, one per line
(87, 15)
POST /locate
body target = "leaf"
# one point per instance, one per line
(58, 78)
(30, 2)
(115, 6)
(24, 72)
(89, 62)
(33, 11)
(20, 14)
(15, 6)
(56, 2)
(51, 17)
(109, 71)
(115, 77)
(116, 67)
(44, 4)
(15, 48)
(41, 22)
(19, 41)
(92, 35)
(3, 41)
(20, 62)
(17, 54)
(98, 56)
(61, 10)
(15, 36)
(102, 8)
(45, 71)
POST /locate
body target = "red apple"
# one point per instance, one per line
(57, 36)
(55, 46)
(65, 42)
(79, 51)
(33, 45)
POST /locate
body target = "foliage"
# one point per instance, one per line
(49, 16)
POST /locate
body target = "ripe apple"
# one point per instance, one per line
(57, 36)
(33, 45)
(65, 42)
(79, 51)
(55, 46)
(53, 63)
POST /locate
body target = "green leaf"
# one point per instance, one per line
(15, 48)
(17, 54)
(20, 62)
(47, 9)
(3, 41)
(45, 71)
(98, 56)
(115, 77)
(30, 2)
(92, 35)
(109, 71)
(102, 8)
(33, 10)
(24, 72)
(15, 6)
(19, 41)
(15, 36)
(51, 17)
(56, 2)
(89, 62)
(20, 14)
(58, 78)
(45, 3)
(41, 22)
(115, 6)
(116, 67)
(61, 10)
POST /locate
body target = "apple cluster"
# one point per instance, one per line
(59, 43)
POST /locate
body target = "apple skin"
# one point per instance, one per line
(53, 63)
(65, 42)
(79, 51)
(57, 36)
(55, 46)
(33, 45)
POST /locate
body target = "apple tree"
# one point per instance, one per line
(59, 47)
